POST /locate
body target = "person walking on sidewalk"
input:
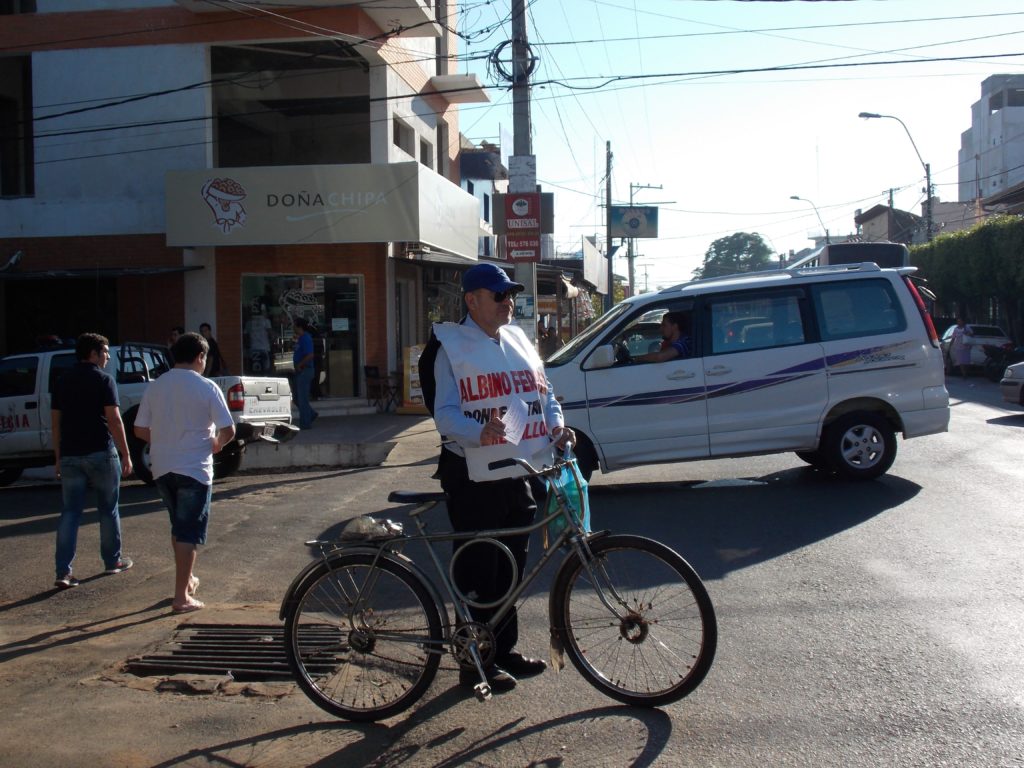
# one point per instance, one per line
(90, 448)
(304, 363)
(486, 347)
(185, 420)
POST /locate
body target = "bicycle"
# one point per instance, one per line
(365, 628)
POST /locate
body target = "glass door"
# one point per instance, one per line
(342, 335)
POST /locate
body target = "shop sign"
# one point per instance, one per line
(283, 205)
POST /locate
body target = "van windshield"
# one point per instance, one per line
(568, 352)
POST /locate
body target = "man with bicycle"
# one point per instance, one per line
(491, 401)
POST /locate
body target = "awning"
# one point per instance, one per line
(95, 274)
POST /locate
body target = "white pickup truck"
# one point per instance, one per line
(261, 407)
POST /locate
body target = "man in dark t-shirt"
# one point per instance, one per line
(91, 449)
(675, 327)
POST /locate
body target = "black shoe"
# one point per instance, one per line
(522, 666)
(499, 680)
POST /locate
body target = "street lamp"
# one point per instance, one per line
(797, 197)
(927, 170)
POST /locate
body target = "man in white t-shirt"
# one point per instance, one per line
(185, 420)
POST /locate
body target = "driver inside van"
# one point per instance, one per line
(675, 333)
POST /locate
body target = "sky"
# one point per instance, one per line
(695, 98)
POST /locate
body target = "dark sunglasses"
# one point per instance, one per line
(500, 296)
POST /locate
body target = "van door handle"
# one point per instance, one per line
(718, 370)
(677, 375)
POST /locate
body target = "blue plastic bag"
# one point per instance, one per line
(574, 487)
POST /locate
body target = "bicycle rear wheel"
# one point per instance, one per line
(364, 642)
(659, 644)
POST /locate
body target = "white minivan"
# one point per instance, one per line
(829, 362)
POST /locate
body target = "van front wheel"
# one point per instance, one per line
(860, 446)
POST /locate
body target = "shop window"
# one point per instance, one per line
(17, 175)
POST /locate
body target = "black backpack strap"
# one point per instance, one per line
(426, 369)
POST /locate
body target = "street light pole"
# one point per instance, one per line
(797, 197)
(928, 225)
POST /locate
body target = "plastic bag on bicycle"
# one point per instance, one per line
(574, 487)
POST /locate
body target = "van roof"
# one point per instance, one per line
(776, 276)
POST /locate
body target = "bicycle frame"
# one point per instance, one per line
(573, 534)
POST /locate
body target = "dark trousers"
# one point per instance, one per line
(481, 569)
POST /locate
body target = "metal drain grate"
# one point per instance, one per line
(249, 652)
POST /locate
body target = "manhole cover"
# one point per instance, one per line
(249, 652)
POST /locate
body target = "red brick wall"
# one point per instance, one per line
(147, 305)
(367, 260)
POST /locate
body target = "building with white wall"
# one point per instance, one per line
(169, 162)
(991, 154)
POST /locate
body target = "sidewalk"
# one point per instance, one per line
(345, 435)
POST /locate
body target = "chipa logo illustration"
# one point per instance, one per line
(224, 196)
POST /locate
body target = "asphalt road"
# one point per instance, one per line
(877, 624)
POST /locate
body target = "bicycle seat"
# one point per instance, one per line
(416, 497)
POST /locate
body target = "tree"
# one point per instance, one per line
(739, 252)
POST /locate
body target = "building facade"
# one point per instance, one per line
(991, 153)
(173, 162)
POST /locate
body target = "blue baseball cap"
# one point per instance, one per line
(489, 276)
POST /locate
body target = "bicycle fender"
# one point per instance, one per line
(312, 571)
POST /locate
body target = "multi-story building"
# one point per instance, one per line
(991, 154)
(169, 162)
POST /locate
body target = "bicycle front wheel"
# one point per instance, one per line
(657, 643)
(363, 639)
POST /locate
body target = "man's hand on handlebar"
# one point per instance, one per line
(563, 436)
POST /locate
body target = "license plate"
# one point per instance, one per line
(268, 430)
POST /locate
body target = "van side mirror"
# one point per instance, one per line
(602, 357)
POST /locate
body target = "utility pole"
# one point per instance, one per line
(609, 300)
(522, 143)
(630, 256)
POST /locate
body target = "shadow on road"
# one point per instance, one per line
(71, 635)
(555, 742)
(722, 528)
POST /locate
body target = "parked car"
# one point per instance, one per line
(976, 338)
(260, 406)
(1012, 384)
(828, 362)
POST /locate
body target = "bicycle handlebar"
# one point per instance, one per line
(530, 469)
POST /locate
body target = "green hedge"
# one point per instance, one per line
(978, 272)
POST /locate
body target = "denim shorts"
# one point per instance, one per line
(188, 504)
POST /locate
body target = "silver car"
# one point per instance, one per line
(976, 338)
(1012, 384)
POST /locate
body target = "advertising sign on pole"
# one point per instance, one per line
(634, 221)
(522, 225)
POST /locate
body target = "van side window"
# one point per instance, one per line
(740, 323)
(857, 308)
(18, 377)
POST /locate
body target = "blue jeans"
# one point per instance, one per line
(102, 471)
(188, 505)
(303, 382)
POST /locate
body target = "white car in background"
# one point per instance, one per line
(977, 337)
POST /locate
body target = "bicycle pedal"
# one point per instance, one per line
(482, 691)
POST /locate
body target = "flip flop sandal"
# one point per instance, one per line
(193, 586)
